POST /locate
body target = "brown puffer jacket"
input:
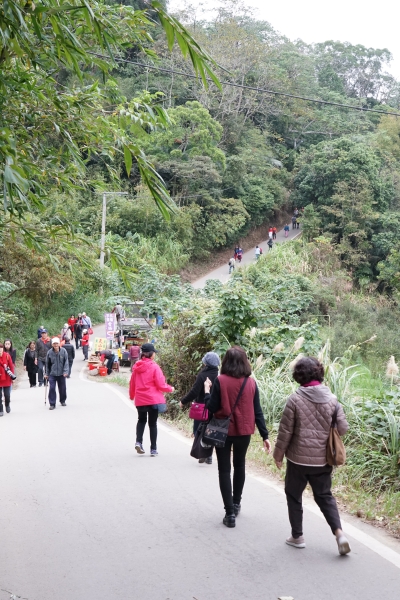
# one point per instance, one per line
(304, 427)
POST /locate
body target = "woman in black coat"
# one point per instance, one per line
(30, 362)
(211, 363)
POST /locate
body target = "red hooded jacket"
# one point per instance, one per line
(148, 383)
(5, 359)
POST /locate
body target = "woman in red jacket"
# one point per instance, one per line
(5, 380)
(234, 377)
(147, 388)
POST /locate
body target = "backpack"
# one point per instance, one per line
(260, 250)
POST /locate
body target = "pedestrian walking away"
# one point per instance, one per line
(286, 230)
(270, 244)
(293, 222)
(236, 251)
(274, 232)
(85, 344)
(70, 349)
(257, 252)
(297, 223)
(209, 371)
(42, 347)
(57, 370)
(146, 390)
(302, 438)
(6, 377)
(270, 233)
(119, 312)
(231, 264)
(235, 393)
(30, 363)
(240, 254)
(134, 353)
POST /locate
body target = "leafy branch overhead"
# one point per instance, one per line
(49, 130)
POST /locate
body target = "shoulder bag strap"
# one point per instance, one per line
(335, 414)
(239, 395)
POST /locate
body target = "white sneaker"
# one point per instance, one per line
(343, 545)
(296, 542)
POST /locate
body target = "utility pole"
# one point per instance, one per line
(103, 224)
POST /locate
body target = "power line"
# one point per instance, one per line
(252, 88)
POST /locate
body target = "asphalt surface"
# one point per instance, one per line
(222, 273)
(83, 517)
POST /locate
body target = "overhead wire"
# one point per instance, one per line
(249, 87)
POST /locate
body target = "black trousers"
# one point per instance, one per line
(152, 414)
(32, 377)
(239, 444)
(320, 480)
(110, 362)
(6, 391)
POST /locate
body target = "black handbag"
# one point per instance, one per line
(216, 430)
(198, 450)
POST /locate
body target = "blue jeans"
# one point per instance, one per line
(58, 380)
(41, 365)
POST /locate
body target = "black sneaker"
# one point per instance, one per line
(236, 508)
(229, 520)
(51, 407)
(8, 409)
(63, 404)
(40, 384)
(1, 414)
(209, 460)
(202, 460)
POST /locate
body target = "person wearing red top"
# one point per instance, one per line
(134, 353)
(235, 378)
(85, 344)
(71, 324)
(5, 380)
(146, 389)
(274, 231)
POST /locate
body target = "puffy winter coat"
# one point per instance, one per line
(304, 427)
(148, 383)
(5, 359)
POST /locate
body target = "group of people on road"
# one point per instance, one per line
(50, 360)
(232, 393)
(296, 218)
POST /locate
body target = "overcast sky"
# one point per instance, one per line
(368, 22)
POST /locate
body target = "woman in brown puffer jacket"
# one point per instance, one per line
(302, 438)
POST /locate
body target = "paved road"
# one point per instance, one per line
(83, 517)
(222, 273)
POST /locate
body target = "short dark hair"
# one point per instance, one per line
(308, 369)
(235, 363)
(146, 354)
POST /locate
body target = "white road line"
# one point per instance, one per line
(364, 538)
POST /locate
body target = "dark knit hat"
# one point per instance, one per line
(211, 359)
